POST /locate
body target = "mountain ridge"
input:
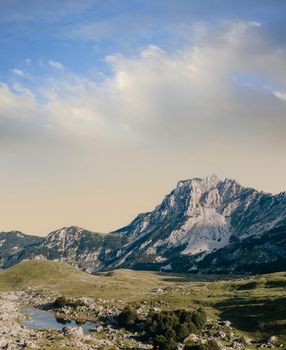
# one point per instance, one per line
(190, 230)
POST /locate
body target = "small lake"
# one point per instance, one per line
(41, 319)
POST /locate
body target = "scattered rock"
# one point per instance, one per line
(192, 338)
(246, 340)
(72, 330)
(99, 328)
(273, 340)
(221, 334)
(226, 323)
(230, 336)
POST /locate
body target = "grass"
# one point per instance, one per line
(255, 305)
(34, 273)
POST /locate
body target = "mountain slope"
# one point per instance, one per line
(73, 245)
(30, 273)
(205, 225)
(263, 254)
(198, 218)
(14, 241)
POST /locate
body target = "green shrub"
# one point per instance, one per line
(193, 347)
(210, 345)
(182, 331)
(162, 323)
(60, 302)
(127, 317)
(200, 318)
(164, 343)
(168, 327)
(187, 317)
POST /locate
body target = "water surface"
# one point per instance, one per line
(41, 319)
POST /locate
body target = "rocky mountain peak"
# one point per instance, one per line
(194, 226)
(63, 238)
(209, 192)
(201, 184)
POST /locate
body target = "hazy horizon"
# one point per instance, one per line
(106, 105)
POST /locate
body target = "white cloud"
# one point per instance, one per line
(153, 51)
(171, 100)
(56, 65)
(11, 104)
(280, 94)
(23, 91)
(20, 73)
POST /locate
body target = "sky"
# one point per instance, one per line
(105, 105)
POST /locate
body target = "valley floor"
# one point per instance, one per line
(255, 306)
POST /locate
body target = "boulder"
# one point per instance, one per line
(221, 334)
(23, 343)
(273, 340)
(191, 338)
(4, 343)
(246, 340)
(99, 328)
(72, 330)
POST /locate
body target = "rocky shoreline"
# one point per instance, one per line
(14, 336)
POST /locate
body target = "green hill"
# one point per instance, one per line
(69, 281)
(37, 272)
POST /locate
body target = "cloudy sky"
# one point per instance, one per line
(106, 104)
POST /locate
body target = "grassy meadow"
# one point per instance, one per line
(256, 305)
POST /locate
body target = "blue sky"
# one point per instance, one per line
(81, 34)
(105, 105)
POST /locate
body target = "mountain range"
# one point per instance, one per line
(208, 225)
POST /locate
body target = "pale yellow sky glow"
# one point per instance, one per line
(75, 151)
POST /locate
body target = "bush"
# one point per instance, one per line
(60, 302)
(187, 318)
(182, 331)
(210, 345)
(127, 318)
(193, 347)
(164, 343)
(200, 318)
(169, 327)
(162, 323)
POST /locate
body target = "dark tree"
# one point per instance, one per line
(127, 317)
(60, 302)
